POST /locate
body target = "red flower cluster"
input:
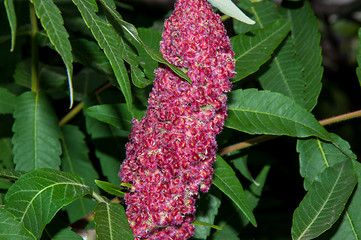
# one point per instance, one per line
(171, 150)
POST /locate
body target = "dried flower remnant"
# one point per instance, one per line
(171, 150)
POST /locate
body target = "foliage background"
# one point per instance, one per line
(283, 189)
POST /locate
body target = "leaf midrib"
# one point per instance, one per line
(280, 117)
(261, 42)
(42, 190)
(323, 205)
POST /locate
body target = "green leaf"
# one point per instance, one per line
(10, 11)
(108, 40)
(229, 8)
(253, 50)
(52, 22)
(37, 196)
(7, 101)
(12, 175)
(264, 112)
(206, 213)
(225, 179)
(132, 31)
(240, 164)
(75, 160)
(138, 77)
(307, 50)
(11, 229)
(6, 154)
(199, 223)
(111, 223)
(110, 188)
(151, 38)
(263, 12)
(283, 74)
(358, 69)
(116, 115)
(109, 146)
(316, 155)
(350, 223)
(89, 54)
(65, 234)
(324, 201)
(36, 133)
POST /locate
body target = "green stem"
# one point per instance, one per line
(263, 138)
(98, 197)
(34, 50)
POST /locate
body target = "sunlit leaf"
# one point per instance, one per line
(111, 223)
(10, 174)
(36, 137)
(264, 112)
(253, 50)
(11, 229)
(37, 196)
(52, 21)
(324, 201)
(110, 188)
(225, 179)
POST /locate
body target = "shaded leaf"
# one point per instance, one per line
(264, 112)
(6, 154)
(263, 12)
(66, 234)
(253, 50)
(11, 229)
(109, 147)
(52, 21)
(36, 133)
(206, 213)
(10, 11)
(75, 160)
(358, 69)
(226, 180)
(316, 155)
(89, 54)
(108, 40)
(324, 201)
(7, 101)
(283, 74)
(10, 174)
(116, 115)
(110, 188)
(37, 196)
(111, 223)
(307, 50)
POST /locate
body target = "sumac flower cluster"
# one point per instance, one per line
(171, 150)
